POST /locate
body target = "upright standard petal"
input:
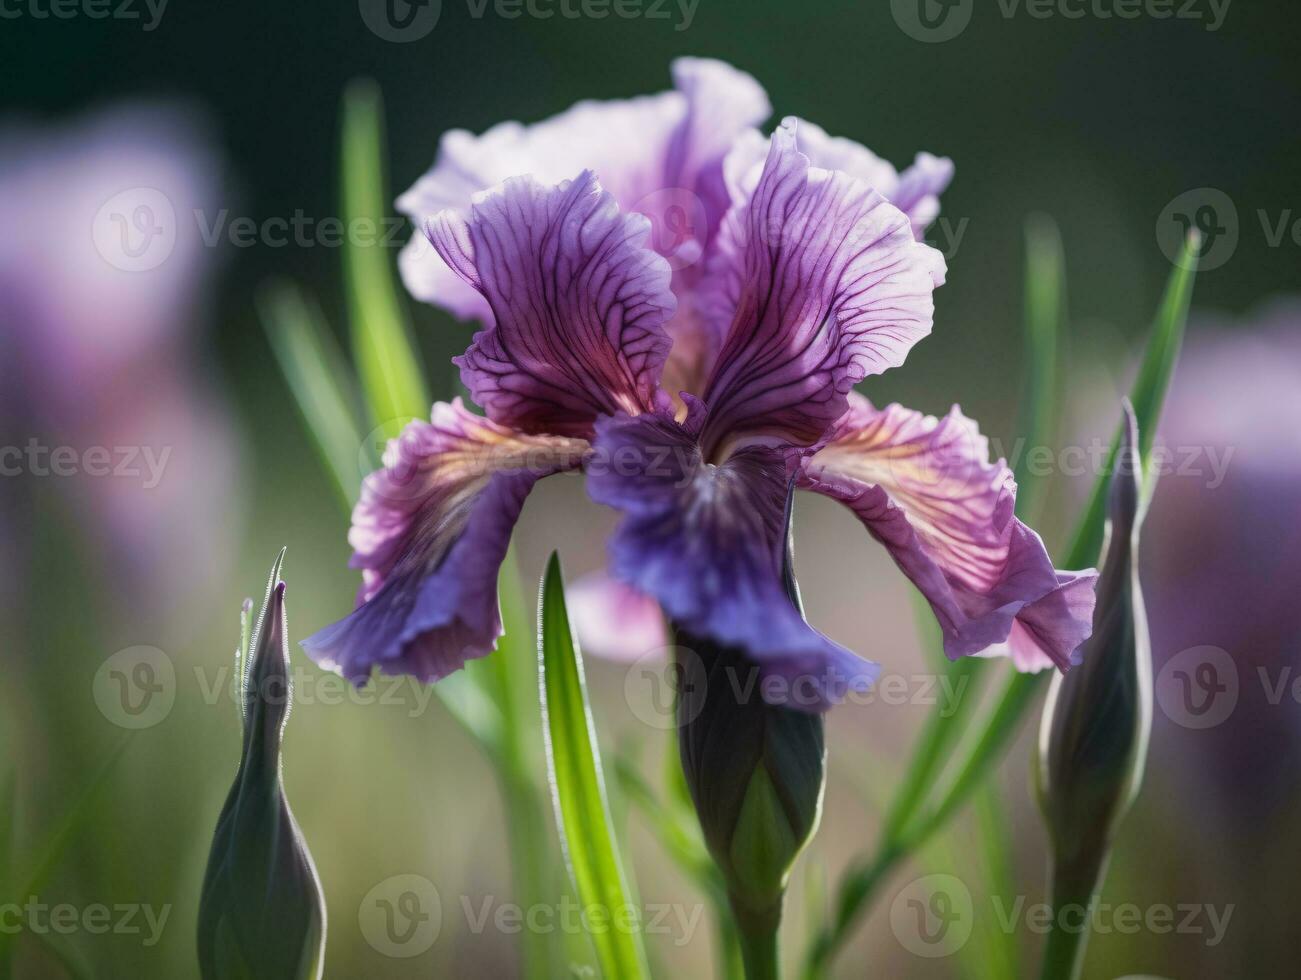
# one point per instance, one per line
(824, 284)
(640, 147)
(430, 533)
(706, 541)
(924, 487)
(916, 192)
(579, 304)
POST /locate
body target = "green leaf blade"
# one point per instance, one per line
(578, 787)
(318, 379)
(381, 337)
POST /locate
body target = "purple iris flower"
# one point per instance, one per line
(692, 387)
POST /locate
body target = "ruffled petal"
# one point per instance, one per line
(706, 541)
(925, 488)
(652, 153)
(429, 533)
(916, 192)
(613, 620)
(579, 304)
(825, 285)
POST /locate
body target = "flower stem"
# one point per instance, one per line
(757, 934)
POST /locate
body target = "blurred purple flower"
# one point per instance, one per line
(102, 278)
(1224, 557)
(810, 281)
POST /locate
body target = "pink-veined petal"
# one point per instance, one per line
(429, 533)
(925, 488)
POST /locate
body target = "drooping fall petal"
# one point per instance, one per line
(925, 488)
(429, 533)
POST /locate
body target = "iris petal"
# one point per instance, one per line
(824, 284)
(672, 141)
(924, 487)
(430, 532)
(706, 541)
(579, 304)
(915, 192)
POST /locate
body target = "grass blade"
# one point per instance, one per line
(1045, 322)
(578, 788)
(318, 378)
(381, 338)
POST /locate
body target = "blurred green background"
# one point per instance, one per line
(1099, 122)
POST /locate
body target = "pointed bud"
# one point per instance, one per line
(1094, 733)
(261, 914)
(756, 773)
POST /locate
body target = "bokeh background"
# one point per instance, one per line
(1102, 122)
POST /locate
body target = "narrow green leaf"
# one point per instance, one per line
(56, 844)
(509, 682)
(1147, 396)
(318, 378)
(578, 788)
(1045, 321)
(381, 338)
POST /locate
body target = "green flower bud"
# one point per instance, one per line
(262, 913)
(756, 774)
(1094, 732)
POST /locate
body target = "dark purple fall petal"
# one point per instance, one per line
(706, 541)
